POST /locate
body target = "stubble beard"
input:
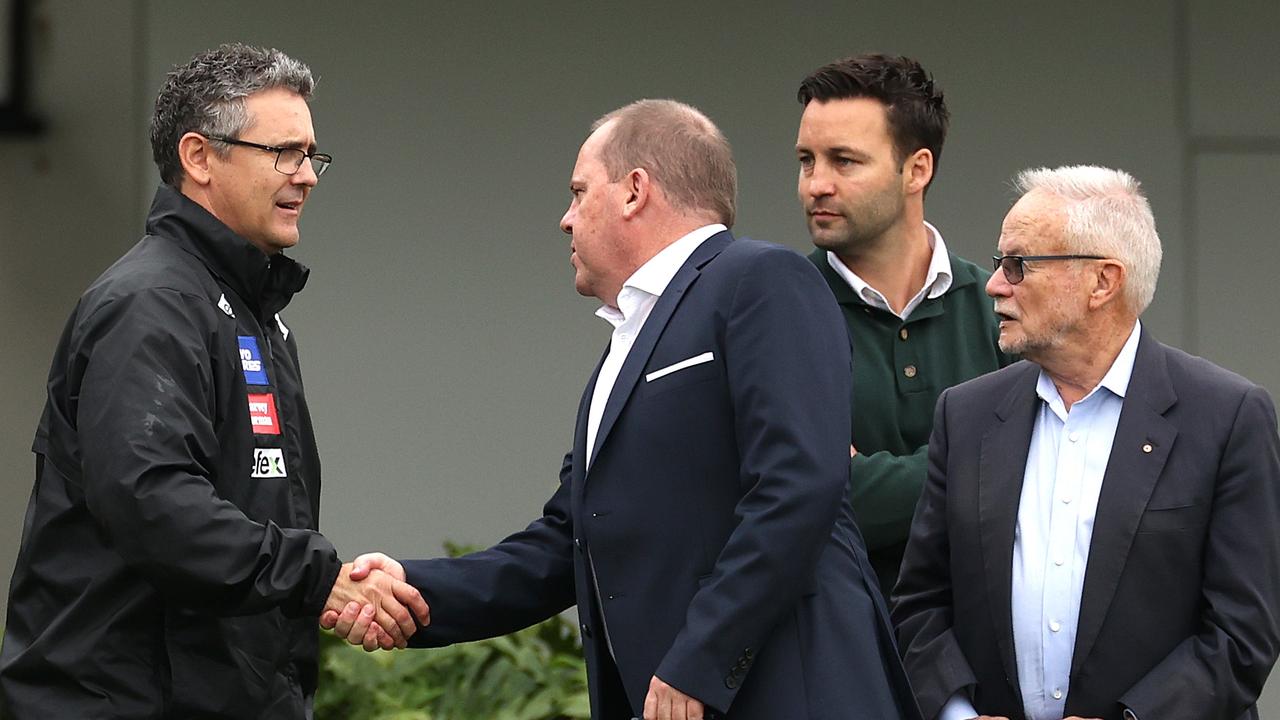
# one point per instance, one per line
(1031, 346)
(863, 227)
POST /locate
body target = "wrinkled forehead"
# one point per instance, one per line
(589, 161)
(280, 117)
(1034, 225)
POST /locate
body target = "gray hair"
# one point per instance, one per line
(684, 152)
(1107, 214)
(207, 96)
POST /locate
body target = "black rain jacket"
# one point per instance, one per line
(169, 565)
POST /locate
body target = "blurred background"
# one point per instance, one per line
(443, 345)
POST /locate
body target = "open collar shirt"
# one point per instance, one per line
(936, 282)
(1066, 462)
(636, 300)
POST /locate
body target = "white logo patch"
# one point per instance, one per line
(226, 306)
(268, 463)
(284, 329)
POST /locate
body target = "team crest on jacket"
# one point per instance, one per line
(262, 413)
(251, 361)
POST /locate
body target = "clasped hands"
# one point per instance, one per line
(371, 605)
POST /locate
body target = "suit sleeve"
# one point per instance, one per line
(1220, 671)
(922, 610)
(884, 489)
(145, 418)
(524, 579)
(788, 368)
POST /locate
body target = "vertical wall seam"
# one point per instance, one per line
(1189, 169)
(142, 119)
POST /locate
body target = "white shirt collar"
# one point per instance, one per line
(937, 279)
(1116, 380)
(652, 278)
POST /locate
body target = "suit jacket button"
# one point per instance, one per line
(731, 682)
(586, 631)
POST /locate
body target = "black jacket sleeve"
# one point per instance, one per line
(145, 414)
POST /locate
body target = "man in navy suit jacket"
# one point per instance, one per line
(1097, 536)
(699, 525)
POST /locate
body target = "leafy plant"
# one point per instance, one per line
(534, 674)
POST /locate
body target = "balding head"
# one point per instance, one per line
(687, 156)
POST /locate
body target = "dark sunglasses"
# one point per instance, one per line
(1012, 265)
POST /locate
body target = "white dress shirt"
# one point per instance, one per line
(1066, 462)
(936, 282)
(636, 300)
(639, 294)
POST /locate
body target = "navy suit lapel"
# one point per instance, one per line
(1138, 454)
(653, 327)
(579, 452)
(1003, 462)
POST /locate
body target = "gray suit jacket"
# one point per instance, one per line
(1180, 611)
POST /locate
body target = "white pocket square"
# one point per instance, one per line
(705, 357)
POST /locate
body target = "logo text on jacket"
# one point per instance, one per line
(262, 413)
(251, 361)
(268, 463)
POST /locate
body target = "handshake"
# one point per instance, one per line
(371, 605)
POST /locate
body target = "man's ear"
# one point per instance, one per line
(195, 154)
(1108, 283)
(917, 171)
(638, 187)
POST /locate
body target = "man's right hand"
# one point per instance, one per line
(377, 601)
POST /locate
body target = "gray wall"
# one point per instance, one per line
(443, 344)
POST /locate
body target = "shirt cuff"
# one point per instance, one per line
(957, 708)
(1129, 715)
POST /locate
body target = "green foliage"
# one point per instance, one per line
(534, 674)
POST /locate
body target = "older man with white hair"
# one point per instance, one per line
(1097, 537)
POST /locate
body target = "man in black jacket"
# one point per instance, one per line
(170, 564)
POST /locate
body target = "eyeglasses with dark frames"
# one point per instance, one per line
(1012, 265)
(288, 160)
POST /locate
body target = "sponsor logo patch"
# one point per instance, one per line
(268, 463)
(226, 306)
(262, 413)
(251, 361)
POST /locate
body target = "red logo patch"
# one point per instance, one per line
(262, 413)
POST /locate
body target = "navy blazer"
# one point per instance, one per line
(1181, 601)
(710, 536)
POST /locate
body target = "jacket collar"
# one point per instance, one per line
(1002, 460)
(265, 284)
(1143, 440)
(962, 275)
(1139, 451)
(645, 342)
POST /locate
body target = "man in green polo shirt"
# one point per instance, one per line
(919, 321)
